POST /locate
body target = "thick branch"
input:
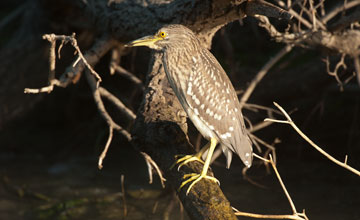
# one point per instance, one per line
(128, 20)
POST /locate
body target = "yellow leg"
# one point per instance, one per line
(188, 158)
(195, 177)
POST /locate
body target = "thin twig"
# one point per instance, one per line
(260, 126)
(254, 215)
(108, 142)
(290, 122)
(101, 107)
(151, 164)
(295, 215)
(283, 185)
(123, 72)
(261, 107)
(300, 19)
(73, 72)
(260, 75)
(115, 59)
(339, 8)
(272, 148)
(312, 15)
(334, 73)
(47, 89)
(120, 105)
(123, 194)
(52, 63)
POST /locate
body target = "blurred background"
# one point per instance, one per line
(50, 143)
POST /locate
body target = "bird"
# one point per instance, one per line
(206, 94)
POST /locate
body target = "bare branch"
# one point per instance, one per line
(290, 122)
(295, 215)
(105, 93)
(151, 164)
(300, 19)
(101, 108)
(108, 142)
(97, 98)
(72, 74)
(312, 15)
(123, 194)
(339, 8)
(115, 59)
(334, 73)
(283, 186)
(345, 21)
(260, 75)
(47, 89)
(254, 215)
(81, 56)
(128, 75)
(272, 148)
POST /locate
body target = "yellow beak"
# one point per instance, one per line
(144, 41)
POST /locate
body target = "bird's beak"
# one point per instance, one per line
(144, 41)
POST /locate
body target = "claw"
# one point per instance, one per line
(186, 159)
(194, 178)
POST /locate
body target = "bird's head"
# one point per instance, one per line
(171, 36)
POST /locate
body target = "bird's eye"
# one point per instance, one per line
(162, 34)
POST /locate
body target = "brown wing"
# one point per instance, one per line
(217, 104)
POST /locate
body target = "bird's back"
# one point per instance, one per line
(208, 97)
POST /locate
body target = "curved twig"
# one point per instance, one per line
(260, 75)
(296, 215)
(290, 122)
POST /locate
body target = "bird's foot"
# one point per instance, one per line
(186, 159)
(194, 178)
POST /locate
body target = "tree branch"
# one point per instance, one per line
(262, 73)
(290, 122)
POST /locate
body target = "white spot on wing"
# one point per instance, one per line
(223, 136)
(189, 90)
(196, 111)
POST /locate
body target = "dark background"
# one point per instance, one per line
(48, 155)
